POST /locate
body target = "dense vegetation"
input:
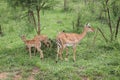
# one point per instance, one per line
(98, 54)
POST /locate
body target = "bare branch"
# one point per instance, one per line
(43, 4)
(117, 27)
(94, 39)
(102, 34)
(31, 14)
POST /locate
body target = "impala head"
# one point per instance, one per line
(23, 37)
(88, 28)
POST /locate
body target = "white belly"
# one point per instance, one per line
(69, 44)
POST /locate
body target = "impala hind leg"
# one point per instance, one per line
(29, 51)
(41, 53)
(66, 59)
(34, 51)
(58, 53)
(74, 53)
(61, 50)
(47, 43)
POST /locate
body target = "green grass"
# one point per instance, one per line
(98, 62)
(94, 62)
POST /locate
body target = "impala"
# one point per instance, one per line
(70, 39)
(44, 39)
(33, 43)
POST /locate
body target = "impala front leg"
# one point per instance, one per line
(61, 50)
(59, 53)
(74, 53)
(41, 53)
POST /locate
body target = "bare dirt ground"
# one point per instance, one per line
(16, 75)
(3, 75)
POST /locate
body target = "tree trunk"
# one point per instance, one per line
(78, 21)
(73, 25)
(85, 1)
(93, 1)
(38, 15)
(117, 27)
(65, 5)
(0, 30)
(31, 18)
(109, 20)
(109, 23)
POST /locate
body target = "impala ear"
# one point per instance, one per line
(88, 24)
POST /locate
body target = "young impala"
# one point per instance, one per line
(44, 39)
(33, 43)
(70, 39)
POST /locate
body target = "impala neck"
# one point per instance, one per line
(83, 34)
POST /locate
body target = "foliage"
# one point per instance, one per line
(32, 5)
(110, 7)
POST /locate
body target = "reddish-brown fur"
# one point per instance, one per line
(70, 39)
(33, 43)
(44, 39)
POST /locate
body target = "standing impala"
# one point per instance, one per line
(44, 39)
(70, 39)
(33, 43)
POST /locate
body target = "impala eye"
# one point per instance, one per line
(89, 27)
